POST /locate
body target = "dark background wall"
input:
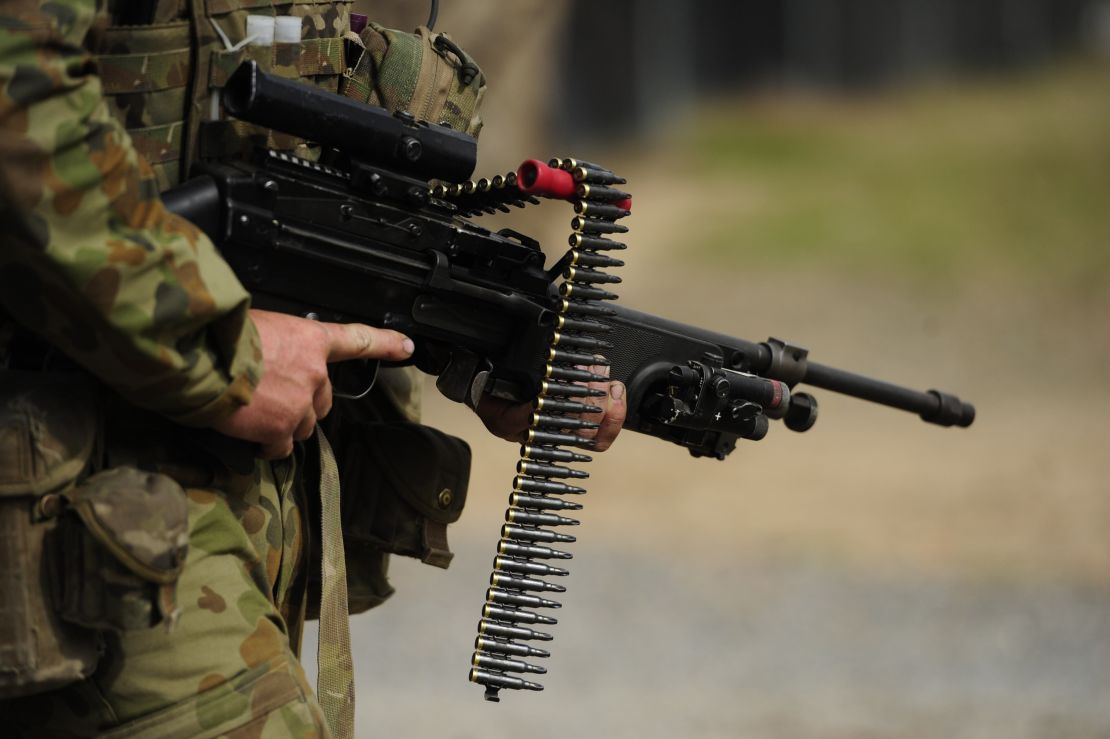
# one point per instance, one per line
(628, 63)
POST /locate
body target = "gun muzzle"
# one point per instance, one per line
(950, 411)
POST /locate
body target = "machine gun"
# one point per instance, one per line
(366, 234)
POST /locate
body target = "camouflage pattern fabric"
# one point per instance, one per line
(403, 71)
(318, 59)
(145, 73)
(49, 427)
(92, 261)
(336, 681)
(227, 668)
(94, 264)
(122, 550)
(140, 517)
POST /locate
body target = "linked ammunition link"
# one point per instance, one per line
(487, 195)
(565, 394)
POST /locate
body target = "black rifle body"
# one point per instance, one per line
(364, 239)
(308, 239)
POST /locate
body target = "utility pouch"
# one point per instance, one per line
(420, 475)
(423, 72)
(402, 484)
(49, 425)
(120, 549)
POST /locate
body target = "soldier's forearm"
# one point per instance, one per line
(92, 261)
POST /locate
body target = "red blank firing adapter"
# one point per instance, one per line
(534, 177)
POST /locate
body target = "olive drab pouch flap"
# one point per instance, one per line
(402, 484)
(417, 478)
(48, 435)
(430, 472)
(123, 546)
(48, 428)
(424, 72)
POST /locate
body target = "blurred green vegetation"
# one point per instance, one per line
(1010, 176)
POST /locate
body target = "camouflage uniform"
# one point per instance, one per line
(140, 298)
(93, 263)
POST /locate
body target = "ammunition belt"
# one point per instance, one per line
(540, 492)
(488, 195)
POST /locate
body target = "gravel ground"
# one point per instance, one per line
(657, 648)
(880, 579)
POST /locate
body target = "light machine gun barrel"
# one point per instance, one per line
(681, 377)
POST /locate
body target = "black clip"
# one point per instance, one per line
(469, 70)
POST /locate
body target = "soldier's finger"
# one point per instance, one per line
(306, 427)
(322, 400)
(614, 417)
(597, 369)
(277, 450)
(359, 341)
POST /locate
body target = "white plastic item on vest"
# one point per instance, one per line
(260, 30)
(287, 29)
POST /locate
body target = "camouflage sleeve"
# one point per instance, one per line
(89, 257)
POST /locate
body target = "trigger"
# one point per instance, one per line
(354, 379)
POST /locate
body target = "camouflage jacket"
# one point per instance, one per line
(94, 263)
(90, 259)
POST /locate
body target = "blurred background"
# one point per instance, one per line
(913, 189)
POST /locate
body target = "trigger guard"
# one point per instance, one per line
(372, 366)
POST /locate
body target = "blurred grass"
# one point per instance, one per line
(1005, 176)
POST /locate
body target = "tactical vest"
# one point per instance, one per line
(163, 63)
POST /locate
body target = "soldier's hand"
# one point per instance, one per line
(511, 420)
(614, 408)
(295, 390)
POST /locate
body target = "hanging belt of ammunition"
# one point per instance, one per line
(539, 496)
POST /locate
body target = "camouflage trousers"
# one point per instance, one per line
(229, 667)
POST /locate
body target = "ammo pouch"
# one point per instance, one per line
(423, 72)
(402, 484)
(77, 554)
(120, 550)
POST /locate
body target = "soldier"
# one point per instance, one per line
(130, 350)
